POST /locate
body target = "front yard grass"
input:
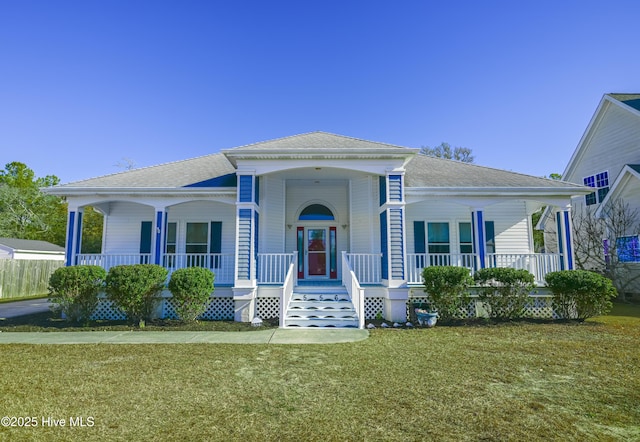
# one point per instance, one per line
(511, 381)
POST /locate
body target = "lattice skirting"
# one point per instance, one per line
(219, 309)
(373, 306)
(107, 310)
(268, 308)
(539, 307)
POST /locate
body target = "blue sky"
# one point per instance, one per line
(86, 84)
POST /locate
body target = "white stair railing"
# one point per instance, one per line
(356, 293)
(286, 292)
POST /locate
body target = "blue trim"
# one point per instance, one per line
(78, 240)
(228, 180)
(245, 191)
(158, 248)
(396, 239)
(560, 239)
(257, 190)
(384, 241)
(395, 188)
(383, 189)
(70, 230)
(567, 235)
(482, 247)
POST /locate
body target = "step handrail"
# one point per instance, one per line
(286, 291)
(356, 293)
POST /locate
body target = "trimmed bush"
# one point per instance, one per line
(505, 291)
(580, 294)
(74, 291)
(447, 287)
(191, 289)
(133, 288)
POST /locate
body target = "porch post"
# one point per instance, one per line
(74, 235)
(393, 244)
(479, 235)
(247, 219)
(160, 229)
(565, 238)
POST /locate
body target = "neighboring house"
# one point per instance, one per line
(296, 226)
(607, 159)
(11, 248)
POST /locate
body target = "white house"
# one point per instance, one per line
(317, 229)
(12, 248)
(607, 159)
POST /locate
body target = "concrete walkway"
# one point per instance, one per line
(271, 336)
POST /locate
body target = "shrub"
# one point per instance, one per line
(133, 288)
(191, 289)
(580, 294)
(505, 291)
(74, 290)
(447, 287)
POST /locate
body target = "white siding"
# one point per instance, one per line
(122, 227)
(272, 228)
(204, 212)
(614, 143)
(510, 221)
(363, 216)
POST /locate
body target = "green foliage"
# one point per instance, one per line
(505, 291)
(444, 150)
(191, 289)
(74, 290)
(580, 294)
(447, 287)
(134, 288)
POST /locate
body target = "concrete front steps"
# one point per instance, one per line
(320, 307)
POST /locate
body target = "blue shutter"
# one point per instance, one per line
(383, 190)
(146, 228)
(396, 242)
(395, 188)
(419, 243)
(245, 194)
(384, 244)
(244, 243)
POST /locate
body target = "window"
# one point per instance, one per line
(197, 238)
(600, 182)
(466, 237)
(171, 238)
(628, 249)
(316, 212)
(438, 235)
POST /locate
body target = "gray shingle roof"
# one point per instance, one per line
(212, 170)
(30, 244)
(168, 175)
(424, 171)
(313, 141)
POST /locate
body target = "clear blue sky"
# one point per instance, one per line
(84, 84)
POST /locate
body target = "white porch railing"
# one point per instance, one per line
(366, 266)
(273, 267)
(356, 293)
(539, 264)
(108, 261)
(290, 281)
(221, 264)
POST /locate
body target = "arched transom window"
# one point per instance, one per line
(316, 212)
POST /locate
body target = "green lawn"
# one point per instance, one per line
(520, 381)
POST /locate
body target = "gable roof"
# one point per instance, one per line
(630, 174)
(30, 245)
(628, 102)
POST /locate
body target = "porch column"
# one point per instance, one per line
(565, 238)
(160, 229)
(247, 220)
(74, 234)
(392, 220)
(479, 235)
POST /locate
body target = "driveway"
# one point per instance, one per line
(21, 308)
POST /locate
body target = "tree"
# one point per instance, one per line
(25, 211)
(444, 150)
(607, 243)
(28, 213)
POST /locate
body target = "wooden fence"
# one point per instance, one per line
(24, 277)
